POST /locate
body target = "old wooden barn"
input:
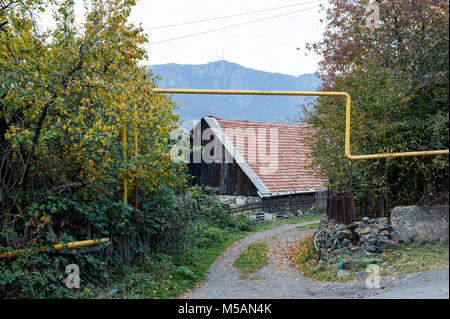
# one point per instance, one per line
(259, 165)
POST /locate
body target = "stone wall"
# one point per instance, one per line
(239, 203)
(230, 201)
(419, 224)
(364, 238)
(371, 236)
(268, 209)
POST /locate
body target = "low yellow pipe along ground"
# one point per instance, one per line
(71, 245)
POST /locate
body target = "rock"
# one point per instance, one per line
(371, 221)
(370, 248)
(364, 238)
(354, 225)
(343, 234)
(383, 221)
(385, 243)
(385, 233)
(365, 219)
(364, 231)
(346, 242)
(419, 224)
(370, 238)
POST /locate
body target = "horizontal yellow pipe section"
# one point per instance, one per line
(249, 92)
(392, 155)
(348, 107)
(71, 245)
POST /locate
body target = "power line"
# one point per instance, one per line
(232, 26)
(230, 16)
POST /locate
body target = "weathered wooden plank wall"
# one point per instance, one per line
(224, 178)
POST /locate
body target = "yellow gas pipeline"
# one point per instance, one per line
(348, 107)
(71, 245)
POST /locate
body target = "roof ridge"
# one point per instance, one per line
(261, 122)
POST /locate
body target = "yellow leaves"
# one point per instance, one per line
(44, 217)
(91, 118)
(4, 51)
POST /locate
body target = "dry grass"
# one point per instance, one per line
(399, 261)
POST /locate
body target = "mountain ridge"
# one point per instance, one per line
(224, 75)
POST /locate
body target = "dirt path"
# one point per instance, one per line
(279, 280)
(429, 285)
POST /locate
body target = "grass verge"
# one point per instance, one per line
(252, 259)
(159, 276)
(396, 262)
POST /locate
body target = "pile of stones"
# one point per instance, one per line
(366, 237)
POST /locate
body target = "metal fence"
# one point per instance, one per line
(366, 199)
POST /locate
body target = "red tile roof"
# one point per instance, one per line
(288, 171)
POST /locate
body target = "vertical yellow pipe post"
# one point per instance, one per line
(124, 144)
(348, 107)
(135, 135)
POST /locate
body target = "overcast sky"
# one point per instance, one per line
(268, 45)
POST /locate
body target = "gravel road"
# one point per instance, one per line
(279, 280)
(429, 285)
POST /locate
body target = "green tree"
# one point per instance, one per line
(397, 75)
(65, 96)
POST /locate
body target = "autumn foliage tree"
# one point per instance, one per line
(396, 70)
(65, 96)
